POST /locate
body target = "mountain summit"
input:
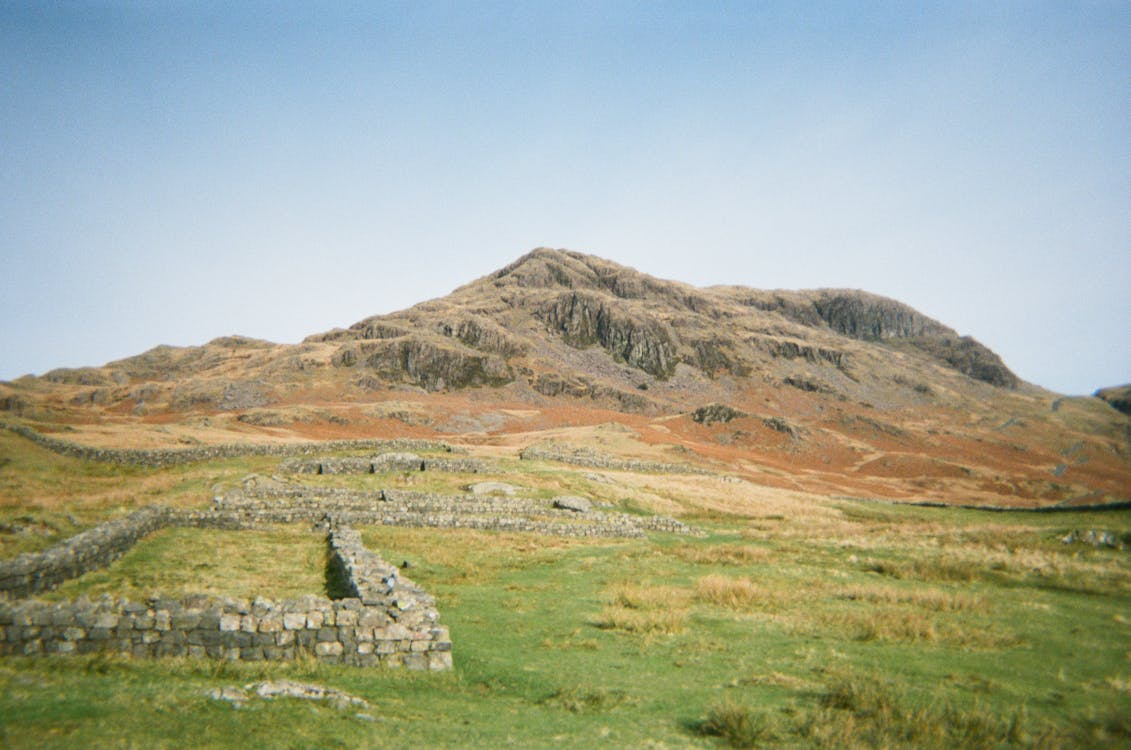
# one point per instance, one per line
(828, 389)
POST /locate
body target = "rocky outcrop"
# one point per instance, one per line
(1118, 396)
(967, 356)
(433, 366)
(712, 413)
(584, 319)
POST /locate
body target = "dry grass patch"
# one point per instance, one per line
(739, 594)
(888, 624)
(645, 610)
(934, 600)
(722, 554)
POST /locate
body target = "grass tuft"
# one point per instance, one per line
(738, 725)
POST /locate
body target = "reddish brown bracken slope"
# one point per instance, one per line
(832, 391)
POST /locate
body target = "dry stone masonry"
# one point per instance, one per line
(563, 516)
(387, 621)
(596, 460)
(381, 462)
(175, 456)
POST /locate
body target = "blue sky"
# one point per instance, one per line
(172, 172)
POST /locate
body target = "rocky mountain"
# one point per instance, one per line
(830, 389)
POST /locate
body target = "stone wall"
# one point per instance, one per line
(408, 508)
(387, 621)
(381, 462)
(174, 456)
(596, 460)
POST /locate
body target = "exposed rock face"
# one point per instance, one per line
(584, 320)
(1118, 396)
(432, 366)
(968, 357)
(712, 413)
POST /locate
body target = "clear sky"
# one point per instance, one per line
(174, 171)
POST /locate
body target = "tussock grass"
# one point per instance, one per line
(645, 610)
(864, 711)
(740, 594)
(934, 600)
(739, 725)
(721, 554)
(580, 699)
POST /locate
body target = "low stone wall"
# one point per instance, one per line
(409, 508)
(89, 550)
(175, 456)
(389, 621)
(381, 463)
(596, 460)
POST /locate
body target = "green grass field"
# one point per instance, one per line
(835, 625)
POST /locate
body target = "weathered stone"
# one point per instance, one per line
(328, 648)
(573, 503)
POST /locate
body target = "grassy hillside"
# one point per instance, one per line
(797, 622)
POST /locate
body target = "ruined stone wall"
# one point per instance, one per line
(388, 621)
(175, 456)
(596, 460)
(381, 463)
(409, 508)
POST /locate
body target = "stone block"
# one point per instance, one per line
(196, 651)
(328, 648)
(270, 624)
(106, 620)
(60, 647)
(439, 660)
(63, 616)
(249, 624)
(229, 622)
(74, 634)
(285, 637)
(162, 620)
(314, 620)
(150, 636)
(364, 648)
(294, 620)
(327, 634)
(98, 634)
(416, 662)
